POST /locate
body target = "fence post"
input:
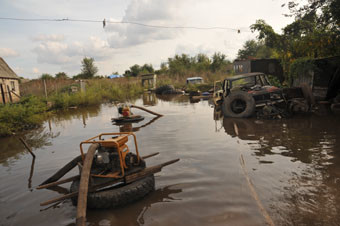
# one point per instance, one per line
(82, 86)
(45, 89)
(9, 94)
(3, 94)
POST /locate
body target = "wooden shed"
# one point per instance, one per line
(9, 84)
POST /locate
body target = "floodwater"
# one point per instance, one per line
(231, 172)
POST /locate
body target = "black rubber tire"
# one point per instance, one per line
(240, 96)
(119, 196)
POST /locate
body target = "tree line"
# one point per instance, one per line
(177, 65)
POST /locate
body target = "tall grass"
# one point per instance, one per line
(97, 91)
(26, 114)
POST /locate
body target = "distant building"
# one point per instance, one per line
(267, 66)
(9, 84)
(150, 79)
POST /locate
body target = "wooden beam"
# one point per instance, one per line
(60, 173)
(59, 182)
(151, 155)
(26, 146)
(84, 185)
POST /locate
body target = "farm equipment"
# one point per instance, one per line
(128, 116)
(110, 174)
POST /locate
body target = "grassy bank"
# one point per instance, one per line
(31, 110)
(97, 91)
(26, 114)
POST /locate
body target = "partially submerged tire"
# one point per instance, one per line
(119, 196)
(238, 105)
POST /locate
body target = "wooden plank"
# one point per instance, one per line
(27, 147)
(148, 171)
(84, 185)
(151, 155)
(60, 173)
(59, 182)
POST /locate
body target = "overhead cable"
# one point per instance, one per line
(105, 22)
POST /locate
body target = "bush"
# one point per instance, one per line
(20, 116)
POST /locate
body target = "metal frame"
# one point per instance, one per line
(120, 149)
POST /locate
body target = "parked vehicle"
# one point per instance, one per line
(242, 95)
(194, 80)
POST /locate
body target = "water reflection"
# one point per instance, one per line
(310, 197)
(133, 213)
(319, 135)
(149, 99)
(179, 98)
(83, 114)
(11, 147)
(127, 127)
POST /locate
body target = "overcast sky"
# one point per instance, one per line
(33, 48)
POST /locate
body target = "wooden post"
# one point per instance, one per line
(45, 89)
(9, 94)
(27, 147)
(3, 94)
(84, 185)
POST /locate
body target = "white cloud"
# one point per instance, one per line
(52, 37)
(64, 53)
(150, 12)
(7, 52)
(192, 49)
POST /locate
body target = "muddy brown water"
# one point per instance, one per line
(292, 164)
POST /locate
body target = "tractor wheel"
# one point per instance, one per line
(238, 105)
(118, 196)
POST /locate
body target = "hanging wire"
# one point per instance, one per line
(105, 22)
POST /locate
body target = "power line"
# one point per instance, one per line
(119, 22)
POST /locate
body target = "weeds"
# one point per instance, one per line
(26, 114)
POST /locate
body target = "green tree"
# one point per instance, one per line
(46, 76)
(61, 75)
(255, 49)
(219, 62)
(202, 62)
(135, 69)
(89, 70)
(163, 68)
(147, 68)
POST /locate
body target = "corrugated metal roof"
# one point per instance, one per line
(6, 71)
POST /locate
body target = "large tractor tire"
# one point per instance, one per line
(238, 105)
(118, 196)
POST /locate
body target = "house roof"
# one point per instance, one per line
(6, 71)
(236, 77)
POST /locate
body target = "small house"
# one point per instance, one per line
(267, 66)
(9, 84)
